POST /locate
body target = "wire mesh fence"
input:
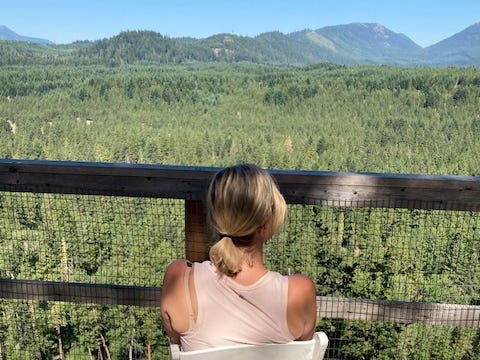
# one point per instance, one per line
(93, 240)
(392, 283)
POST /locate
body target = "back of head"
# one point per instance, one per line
(240, 199)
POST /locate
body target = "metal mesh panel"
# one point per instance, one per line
(76, 239)
(382, 253)
(412, 264)
(53, 330)
(368, 265)
(91, 239)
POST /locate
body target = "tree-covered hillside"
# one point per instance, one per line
(324, 117)
(357, 43)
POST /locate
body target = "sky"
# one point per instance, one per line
(426, 22)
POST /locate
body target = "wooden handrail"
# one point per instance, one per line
(327, 307)
(190, 183)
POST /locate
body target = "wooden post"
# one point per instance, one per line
(197, 237)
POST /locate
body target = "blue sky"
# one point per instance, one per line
(64, 21)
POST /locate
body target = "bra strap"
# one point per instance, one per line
(187, 295)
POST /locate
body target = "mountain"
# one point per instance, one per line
(272, 47)
(147, 47)
(318, 48)
(370, 43)
(7, 34)
(355, 43)
(462, 48)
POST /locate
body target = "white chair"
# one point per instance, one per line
(296, 350)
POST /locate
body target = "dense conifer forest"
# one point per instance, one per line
(325, 117)
(322, 117)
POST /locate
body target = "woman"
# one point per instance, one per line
(233, 299)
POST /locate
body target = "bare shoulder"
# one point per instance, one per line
(302, 306)
(178, 265)
(173, 280)
(172, 303)
(175, 269)
(301, 285)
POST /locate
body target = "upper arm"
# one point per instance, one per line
(171, 294)
(302, 307)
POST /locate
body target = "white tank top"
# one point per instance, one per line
(230, 313)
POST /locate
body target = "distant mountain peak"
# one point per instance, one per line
(377, 29)
(8, 34)
(375, 26)
(380, 29)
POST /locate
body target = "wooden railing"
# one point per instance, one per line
(190, 183)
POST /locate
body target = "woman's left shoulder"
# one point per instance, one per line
(176, 270)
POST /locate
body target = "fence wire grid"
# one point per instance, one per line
(368, 265)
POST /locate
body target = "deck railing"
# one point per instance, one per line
(450, 194)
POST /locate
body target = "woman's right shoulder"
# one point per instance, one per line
(300, 284)
(301, 308)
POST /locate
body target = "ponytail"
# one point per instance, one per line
(226, 257)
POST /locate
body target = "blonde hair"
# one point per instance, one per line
(240, 199)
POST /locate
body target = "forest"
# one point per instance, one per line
(369, 119)
(322, 117)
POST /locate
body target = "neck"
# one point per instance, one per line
(253, 257)
(252, 267)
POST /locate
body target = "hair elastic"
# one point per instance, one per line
(237, 239)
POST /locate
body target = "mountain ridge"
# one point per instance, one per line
(354, 43)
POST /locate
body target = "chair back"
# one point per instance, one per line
(296, 350)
